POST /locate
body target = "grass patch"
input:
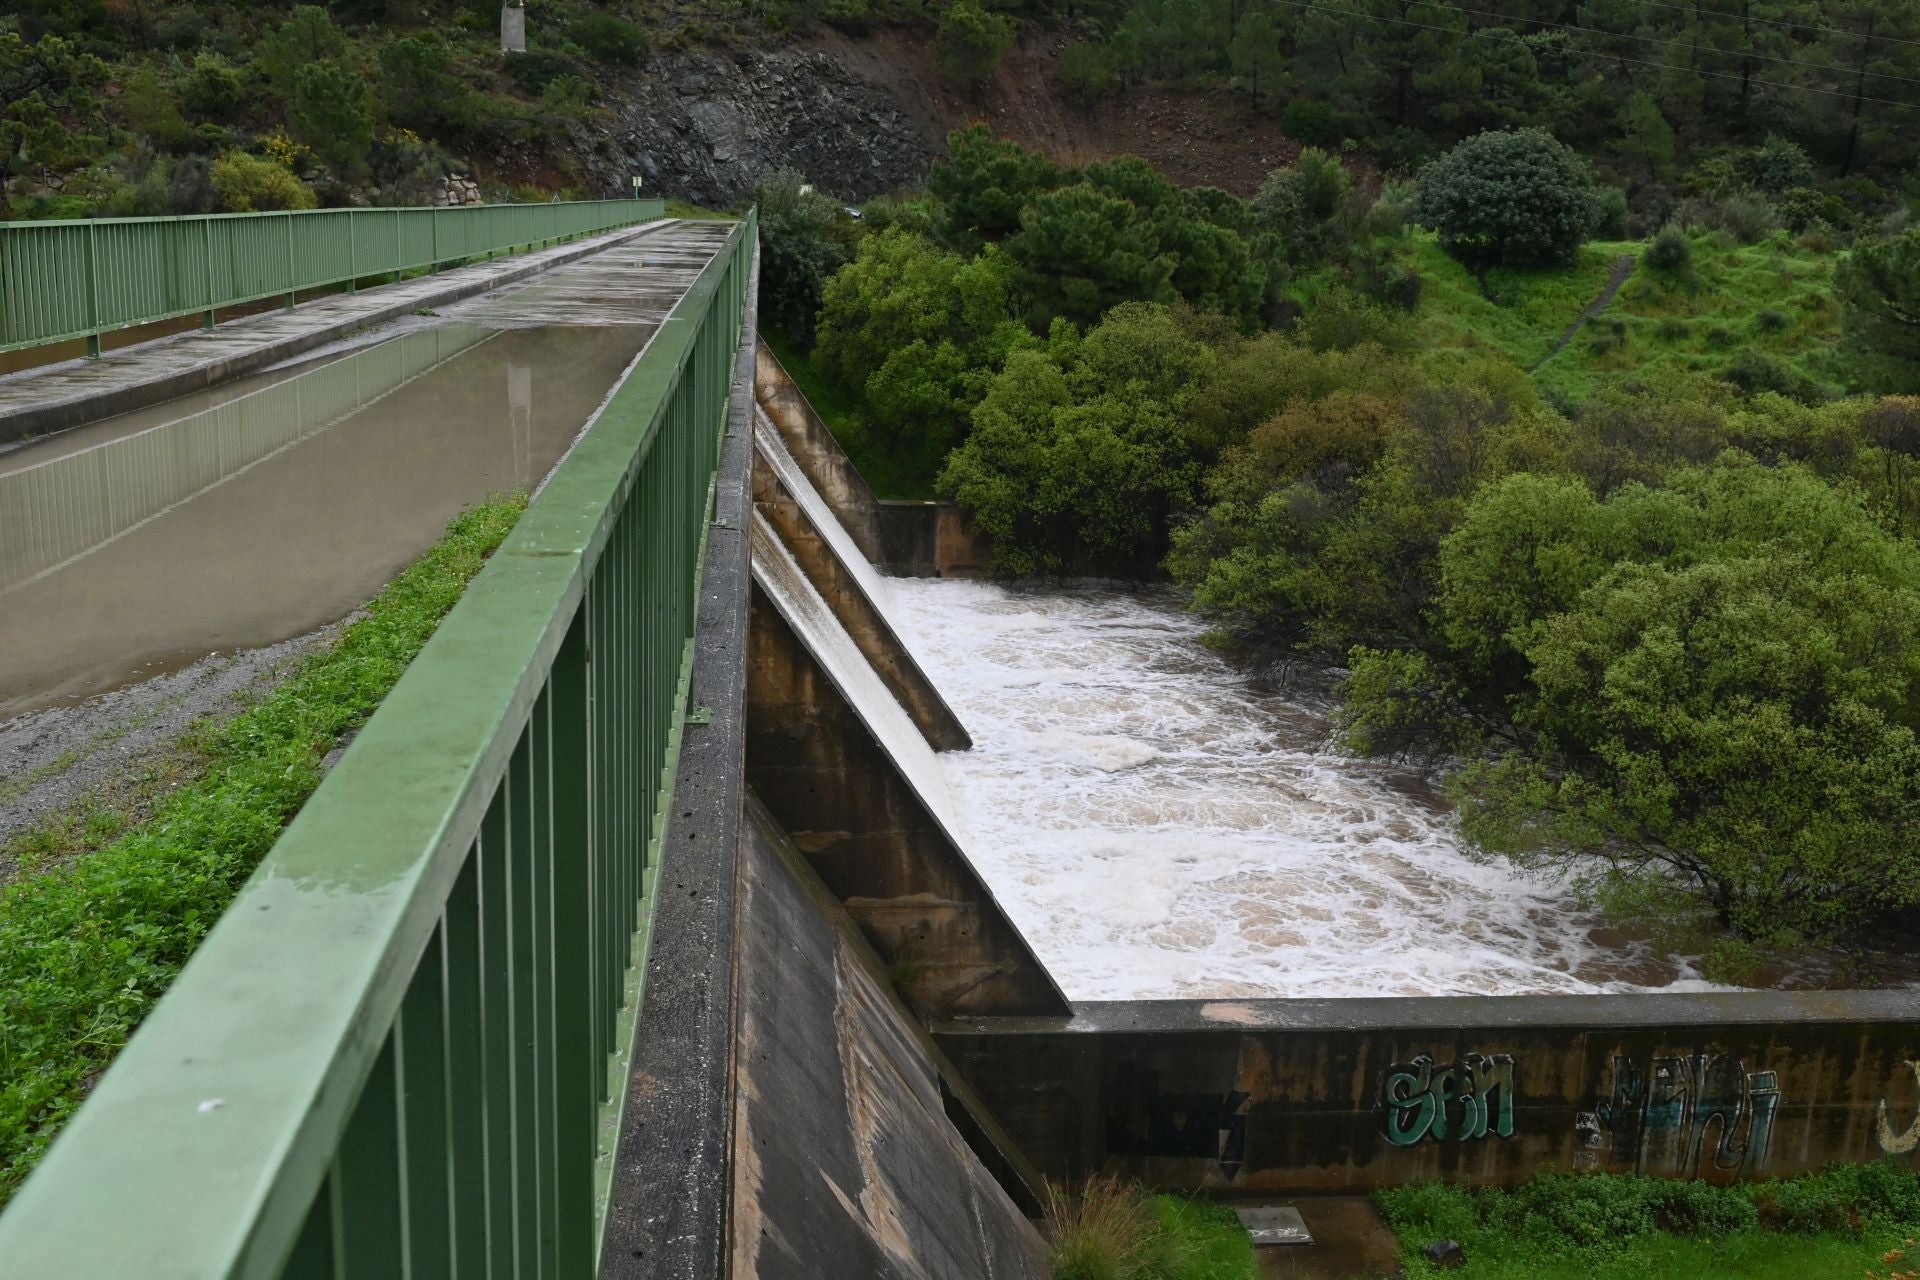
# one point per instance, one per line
(889, 472)
(1763, 313)
(1114, 1230)
(96, 937)
(1847, 1220)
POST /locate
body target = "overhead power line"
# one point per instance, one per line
(1610, 57)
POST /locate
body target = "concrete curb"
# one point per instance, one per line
(59, 415)
(667, 1214)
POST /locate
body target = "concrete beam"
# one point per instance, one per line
(841, 588)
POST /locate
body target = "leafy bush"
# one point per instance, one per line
(1309, 121)
(213, 88)
(1771, 321)
(606, 38)
(1670, 252)
(1517, 198)
(1609, 214)
(1579, 1210)
(1087, 73)
(1776, 165)
(247, 183)
(535, 69)
(1689, 1208)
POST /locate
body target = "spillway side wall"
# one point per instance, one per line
(847, 1162)
(1488, 1092)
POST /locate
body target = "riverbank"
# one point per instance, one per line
(106, 903)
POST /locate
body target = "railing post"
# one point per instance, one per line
(287, 217)
(353, 257)
(206, 244)
(93, 295)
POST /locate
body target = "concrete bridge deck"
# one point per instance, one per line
(54, 397)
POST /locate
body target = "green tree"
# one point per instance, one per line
(1709, 685)
(970, 41)
(417, 84)
(332, 113)
(1079, 453)
(920, 331)
(1255, 54)
(49, 105)
(306, 37)
(1082, 251)
(1646, 139)
(804, 239)
(984, 183)
(1879, 288)
(150, 108)
(213, 88)
(1515, 198)
(1087, 73)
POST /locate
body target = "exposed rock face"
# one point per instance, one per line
(456, 189)
(703, 126)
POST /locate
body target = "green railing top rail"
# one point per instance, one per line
(79, 278)
(175, 218)
(201, 1150)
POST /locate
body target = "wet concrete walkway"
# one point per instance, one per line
(241, 518)
(55, 397)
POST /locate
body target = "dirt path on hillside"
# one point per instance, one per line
(1622, 268)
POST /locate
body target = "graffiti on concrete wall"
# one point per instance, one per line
(1904, 1141)
(1458, 1103)
(1689, 1116)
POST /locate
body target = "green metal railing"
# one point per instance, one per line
(79, 279)
(402, 1051)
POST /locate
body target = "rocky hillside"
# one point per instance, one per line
(865, 116)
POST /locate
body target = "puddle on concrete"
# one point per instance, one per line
(275, 504)
(280, 511)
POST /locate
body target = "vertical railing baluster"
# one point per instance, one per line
(576, 1094)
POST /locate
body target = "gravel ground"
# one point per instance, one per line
(54, 758)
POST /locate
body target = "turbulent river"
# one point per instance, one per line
(1159, 825)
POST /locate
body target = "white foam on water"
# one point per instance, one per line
(1157, 826)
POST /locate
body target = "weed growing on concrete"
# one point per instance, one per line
(1112, 1229)
(94, 940)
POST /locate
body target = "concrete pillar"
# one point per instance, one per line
(513, 28)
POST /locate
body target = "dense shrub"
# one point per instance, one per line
(606, 38)
(1609, 214)
(1670, 252)
(1518, 198)
(213, 88)
(1087, 74)
(1308, 121)
(246, 183)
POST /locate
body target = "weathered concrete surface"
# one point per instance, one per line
(820, 456)
(671, 1179)
(1275, 1096)
(931, 540)
(846, 1163)
(54, 397)
(874, 837)
(841, 588)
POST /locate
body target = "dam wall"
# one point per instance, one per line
(1260, 1097)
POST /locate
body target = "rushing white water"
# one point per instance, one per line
(1159, 827)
